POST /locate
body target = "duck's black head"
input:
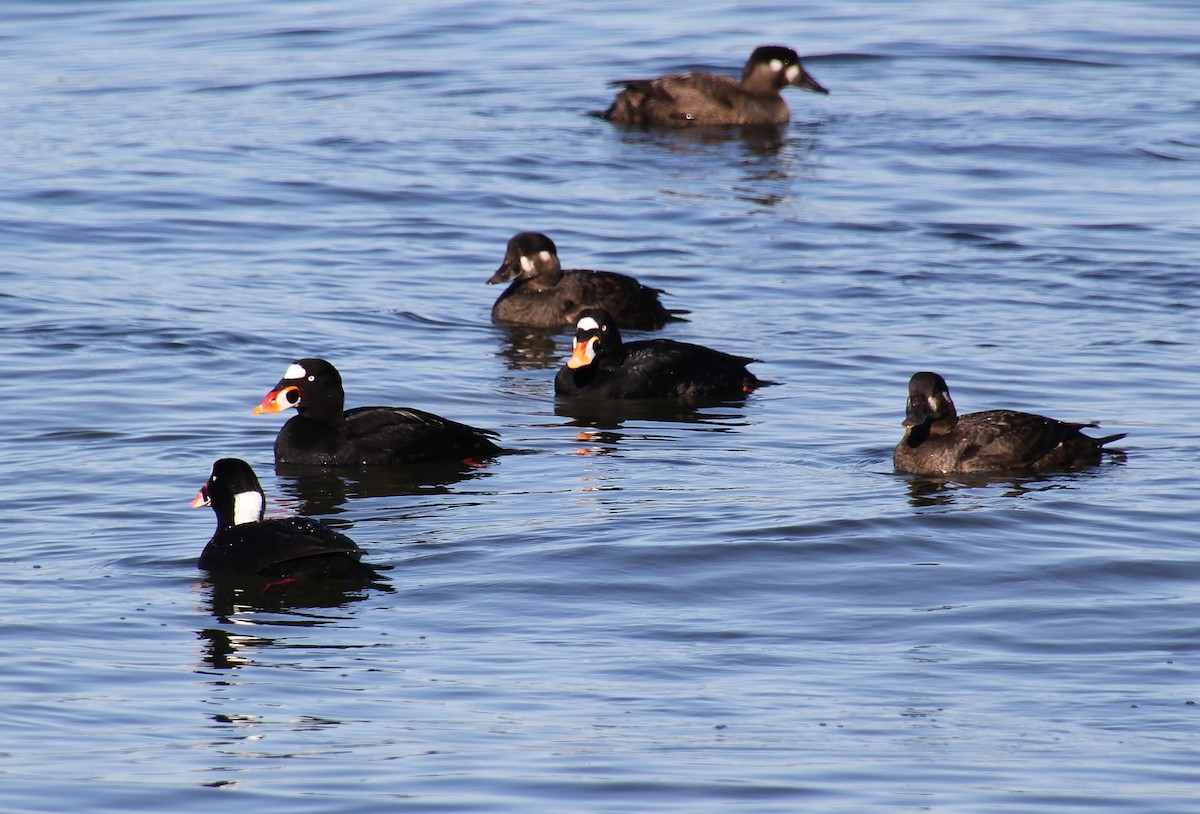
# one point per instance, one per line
(233, 492)
(776, 67)
(597, 341)
(929, 403)
(531, 255)
(312, 386)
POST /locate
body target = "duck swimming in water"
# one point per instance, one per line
(323, 434)
(544, 295)
(703, 99)
(602, 366)
(939, 441)
(285, 548)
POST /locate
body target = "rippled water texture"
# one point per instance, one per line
(732, 608)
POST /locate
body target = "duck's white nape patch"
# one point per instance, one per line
(588, 324)
(295, 371)
(792, 72)
(776, 65)
(526, 264)
(247, 507)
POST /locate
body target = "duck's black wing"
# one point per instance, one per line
(664, 368)
(268, 545)
(401, 435)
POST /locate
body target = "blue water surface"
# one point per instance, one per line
(738, 607)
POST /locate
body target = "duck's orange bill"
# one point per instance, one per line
(275, 402)
(581, 355)
(201, 499)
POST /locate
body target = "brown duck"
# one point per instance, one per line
(939, 441)
(703, 99)
(543, 295)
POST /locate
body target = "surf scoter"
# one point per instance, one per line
(543, 295)
(285, 548)
(603, 367)
(323, 434)
(703, 99)
(939, 441)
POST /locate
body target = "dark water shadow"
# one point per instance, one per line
(767, 158)
(612, 414)
(525, 348)
(755, 142)
(321, 491)
(945, 490)
(245, 609)
(605, 427)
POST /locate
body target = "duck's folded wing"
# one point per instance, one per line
(1005, 439)
(255, 547)
(411, 435)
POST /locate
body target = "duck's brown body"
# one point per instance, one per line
(939, 441)
(703, 99)
(544, 295)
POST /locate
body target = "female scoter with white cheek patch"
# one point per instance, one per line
(603, 367)
(544, 295)
(937, 440)
(285, 548)
(322, 434)
(704, 99)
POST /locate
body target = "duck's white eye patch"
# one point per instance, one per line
(544, 256)
(792, 72)
(588, 324)
(776, 64)
(295, 371)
